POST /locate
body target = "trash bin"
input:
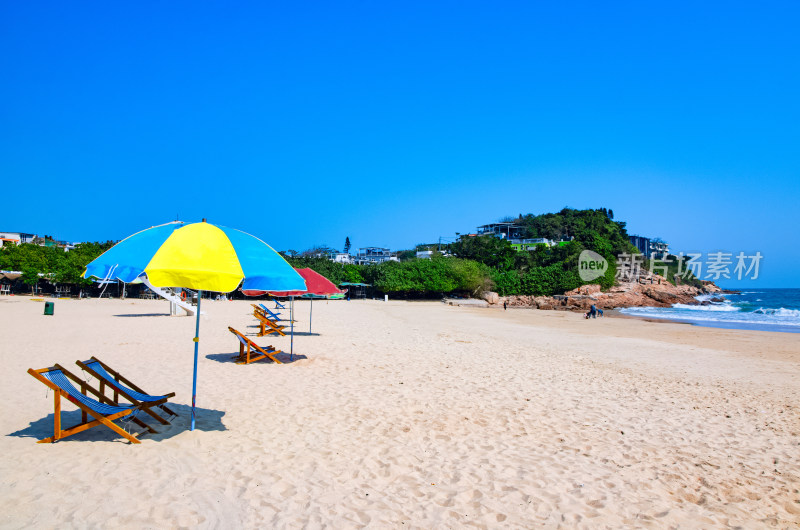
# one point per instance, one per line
(48, 308)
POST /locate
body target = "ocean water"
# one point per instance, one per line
(759, 309)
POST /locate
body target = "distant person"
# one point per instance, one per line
(593, 311)
(505, 305)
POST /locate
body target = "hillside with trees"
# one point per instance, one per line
(549, 270)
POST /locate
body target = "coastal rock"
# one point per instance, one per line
(657, 292)
(661, 295)
(491, 297)
(585, 290)
(710, 287)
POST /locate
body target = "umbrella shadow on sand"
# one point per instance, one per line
(230, 358)
(206, 420)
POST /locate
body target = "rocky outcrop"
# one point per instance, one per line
(491, 297)
(710, 287)
(657, 292)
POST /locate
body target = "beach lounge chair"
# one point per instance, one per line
(263, 311)
(125, 388)
(102, 409)
(267, 326)
(250, 352)
(278, 305)
(274, 316)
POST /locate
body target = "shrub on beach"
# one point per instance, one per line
(435, 276)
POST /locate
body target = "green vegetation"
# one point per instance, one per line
(414, 277)
(429, 276)
(51, 262)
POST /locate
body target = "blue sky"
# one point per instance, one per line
(397, 124)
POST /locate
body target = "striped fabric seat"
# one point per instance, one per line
(139, 396)
(58, 378)
(276, 316)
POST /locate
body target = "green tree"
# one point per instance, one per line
(490, 250)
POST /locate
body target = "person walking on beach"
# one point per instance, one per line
(593, 311)
(505, 305)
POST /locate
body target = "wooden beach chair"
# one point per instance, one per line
(108, 377)
(272, 316)
(275, 317)
(263, 311)
(267, 326)
(102, 409)
(250, 352)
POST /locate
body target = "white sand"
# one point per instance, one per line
(408, 415)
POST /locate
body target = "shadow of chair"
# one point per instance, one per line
(230, 358)
(205, 420)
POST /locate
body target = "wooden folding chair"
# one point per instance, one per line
(117, 382)
(276, 317)
(102, 409)
(266, 325)
(250, 352)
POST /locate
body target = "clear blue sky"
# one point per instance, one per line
(397, 124)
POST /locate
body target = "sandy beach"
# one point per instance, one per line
(407, 415)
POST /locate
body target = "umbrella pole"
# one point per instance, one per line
(291, 320)
(196, 345)
(310, 313)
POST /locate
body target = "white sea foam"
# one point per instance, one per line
(724, 314)
(781, 312)
(712, 307)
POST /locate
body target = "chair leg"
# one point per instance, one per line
(84, 418)
(57, 416)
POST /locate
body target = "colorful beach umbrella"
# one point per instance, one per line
(199, 256)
